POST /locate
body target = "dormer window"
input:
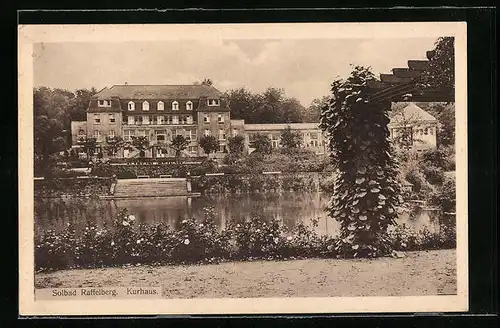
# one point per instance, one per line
(161, 105)
(175, 105)
(104, 103)
(145, 106)
(131, 105)
(213, 102)
(189, 105)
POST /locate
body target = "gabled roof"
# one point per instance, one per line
(159, 92)
(412, 112)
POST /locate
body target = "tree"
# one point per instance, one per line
(243, 104)
(62, 106)
(88, 145)
(292, 111)
(290, 139)
(366, 192)
(209, 144)
(440, 73)
(141, 144)
(207, 81)
(48, 141)
(236, 145)
(179, 143)
(313, 112)
(261, 143)
(113, 145)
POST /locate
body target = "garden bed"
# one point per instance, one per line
(418, 273)
(126, 242)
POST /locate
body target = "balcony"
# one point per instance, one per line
(180, 123)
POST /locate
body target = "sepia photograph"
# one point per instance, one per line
(243, 168)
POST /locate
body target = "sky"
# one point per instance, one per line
(303, 68)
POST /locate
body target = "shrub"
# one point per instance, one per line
(434, 175)
(445, 196)
(72, 186)
(207, 166)
(126, 242)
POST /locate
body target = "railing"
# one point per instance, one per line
(155, 161)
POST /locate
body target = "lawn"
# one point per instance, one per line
(418, 273)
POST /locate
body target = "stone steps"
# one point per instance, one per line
(150, 188)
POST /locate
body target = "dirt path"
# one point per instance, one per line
(419, 273)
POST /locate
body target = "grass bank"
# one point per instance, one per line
(418, 273)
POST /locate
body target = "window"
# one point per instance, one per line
(432, 131)
(222, 134)
(206, 118)
(104, 103)
(192, 135)
(175, 105)
(222, 148)
(213, 102)
(160, 120)
(128, 134)
(111, 133)
(235, 132)
(145, 106)
(207, 132)
(138, 120)
(81, 132)
(160, 136)
(112, 118)
(161, 105)
(182, 120)
(189, 119)
(97, 119)
(131, 105)
(97, 135)
(426, 131)
(131, 120)
(160, 152)
(145, 119)
(189, 105)
(192, 149)
(175, 119)
(179, 132)
(220, 118)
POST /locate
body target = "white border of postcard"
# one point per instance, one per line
(30, 34)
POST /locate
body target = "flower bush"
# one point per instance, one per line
(128, 242)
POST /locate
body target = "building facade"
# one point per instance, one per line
(160, 112)
(416, 126)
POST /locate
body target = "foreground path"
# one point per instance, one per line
(419, 273)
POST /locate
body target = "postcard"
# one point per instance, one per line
(242, 168)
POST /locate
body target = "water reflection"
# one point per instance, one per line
(289, 207)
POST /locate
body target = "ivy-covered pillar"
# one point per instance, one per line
(366, 192)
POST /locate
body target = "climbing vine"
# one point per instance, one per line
(366, 192)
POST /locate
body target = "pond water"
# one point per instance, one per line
(289, 207)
